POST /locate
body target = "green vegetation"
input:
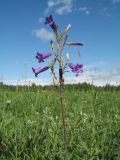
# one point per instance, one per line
(31, 128)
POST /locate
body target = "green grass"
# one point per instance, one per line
(31, 127)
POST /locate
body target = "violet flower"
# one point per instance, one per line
(74, 44)
(50, 21)
(76, 68)
(39, 70)
(41, 57)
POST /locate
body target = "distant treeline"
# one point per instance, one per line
(79, 86)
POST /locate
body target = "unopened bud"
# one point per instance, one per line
(52, 45)
(67, 56)
(58, 46)
(61, 59)
(68, 28)
(52, 65)
(49, 62)
(53, 62)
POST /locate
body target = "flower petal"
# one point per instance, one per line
(76, 68)
(41, 57)
(39, 70)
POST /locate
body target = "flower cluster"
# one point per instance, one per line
(76, 68)
(61, 39)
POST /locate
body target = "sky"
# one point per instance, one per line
(95, 23)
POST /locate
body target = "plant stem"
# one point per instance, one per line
(62, 105)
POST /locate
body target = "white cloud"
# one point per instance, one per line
(64, 9)
(87, 12)
(28, 82)
(96, 78)
(60, 6)
(43, 34)
(94, 65)
(105, 12)
(84, 9)
(115, 1)
(90, 75)
(93, 76)
(52, 3)
(40, 20)
(110, 74)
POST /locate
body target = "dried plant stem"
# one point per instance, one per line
(62, 106)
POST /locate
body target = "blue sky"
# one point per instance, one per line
(95, 23)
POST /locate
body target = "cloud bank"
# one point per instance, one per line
(91, 76)
(115, 1)
(85, 10)
(60, 6)
(43, 34)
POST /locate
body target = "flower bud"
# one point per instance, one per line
(67, 57)
(49, 62)
(53, 62)
(52, 65)
(61, 59)
(58, 46)
(52, 45)
(68, 28)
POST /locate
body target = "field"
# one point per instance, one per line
(31, 127)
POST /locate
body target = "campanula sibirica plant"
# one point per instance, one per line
(57, 53)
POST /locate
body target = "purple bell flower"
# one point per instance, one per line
(39, 70)
(50, 21)
(41, 57)
(76, 68)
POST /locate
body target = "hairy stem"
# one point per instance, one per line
(62, 105)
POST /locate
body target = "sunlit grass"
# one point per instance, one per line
(30, 125)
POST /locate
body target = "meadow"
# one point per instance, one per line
(31, 127)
